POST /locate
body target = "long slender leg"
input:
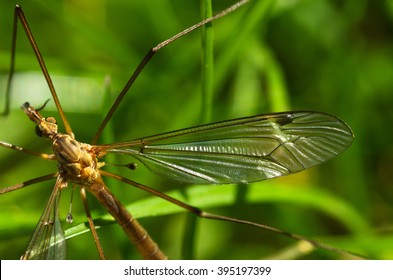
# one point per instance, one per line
(150, 54)
(28, 183)
(91, 224)
(27, 151)
(202, 214)
(12, 66)
(18, 14)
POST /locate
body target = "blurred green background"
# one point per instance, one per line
(331, 56)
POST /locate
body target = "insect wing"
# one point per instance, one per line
(242, 150)
(48, 241)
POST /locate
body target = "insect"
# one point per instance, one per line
(237, 151)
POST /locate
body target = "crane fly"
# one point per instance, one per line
(241, 150)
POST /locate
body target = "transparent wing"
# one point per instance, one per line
(47, 241)
(242, 150)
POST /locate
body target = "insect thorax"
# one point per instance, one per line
(76, 162)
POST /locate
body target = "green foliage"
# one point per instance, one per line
(331, 56)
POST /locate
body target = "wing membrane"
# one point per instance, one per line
(48, 241)
(242, 150)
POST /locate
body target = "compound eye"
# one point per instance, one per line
(38, 131)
